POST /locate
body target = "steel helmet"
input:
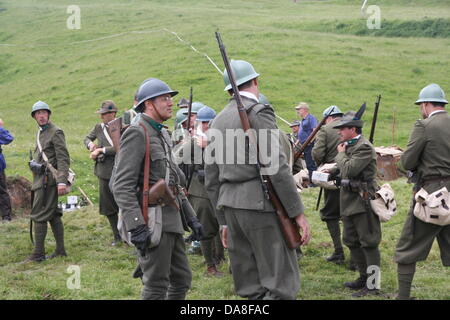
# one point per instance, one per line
(205, 114)
(180, 117)
(243, 72)
(152, 88)
(332, 111)
(40, 105)
(432, 93)
(196, 106)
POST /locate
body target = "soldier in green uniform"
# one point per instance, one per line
(293, 136)
(428, 156)
(103, 153)
(51, 151)
(324, 151)
(211, 245)
(263, 266)
(163, 261)
(356, 160)
(130, 114)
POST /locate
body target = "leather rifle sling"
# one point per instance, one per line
(145, 187)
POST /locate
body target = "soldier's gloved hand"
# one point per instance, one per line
(197, 229)
(140, 237)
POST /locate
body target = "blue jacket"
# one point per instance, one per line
(307, 126)
(5, 138)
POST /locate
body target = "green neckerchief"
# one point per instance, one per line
(157, 126)
(44, 127)
(353, 141)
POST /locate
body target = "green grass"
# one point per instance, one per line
(292, 45)
(106, 271)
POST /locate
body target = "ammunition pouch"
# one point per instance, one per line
(101, 158)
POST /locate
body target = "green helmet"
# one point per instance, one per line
(332, 111)
(243, 72)
(196, 106)
(180, 117)
(40, 105)
(432, 93)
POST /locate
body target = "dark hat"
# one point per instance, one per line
(351, 119)
(107, 106)
(184, 103)
(294, 123)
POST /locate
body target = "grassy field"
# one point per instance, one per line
(314, 51)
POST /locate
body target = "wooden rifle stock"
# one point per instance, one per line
(289, 227)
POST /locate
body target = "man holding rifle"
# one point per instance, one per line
(144, 163)
(324, 151)
(263, 265)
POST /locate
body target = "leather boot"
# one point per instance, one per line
(358, 284)
(58, 232)
(337, 257)
(212, 271)
(40, 232)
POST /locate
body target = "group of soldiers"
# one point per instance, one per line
(224, 204)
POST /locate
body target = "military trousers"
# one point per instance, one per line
(362, 230)
(45, 204)
(166, 269)
(331, 209)
(108, 205)
(205, 213)
(5, 200)
(417, 239)
(262, 265)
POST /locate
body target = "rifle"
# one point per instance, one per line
(374, 120)
(289, 227)
(115, 130)
(298, 153)
(188, 125)
(319, 198)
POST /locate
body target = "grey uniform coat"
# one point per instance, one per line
(427, 153)
(45, 203)
(166, 269)
(262, 264)
(324, 151)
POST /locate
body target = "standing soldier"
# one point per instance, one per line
(5, 200)
(130, 114)
(428, 156)
(356, 160)
(262, 264)
(211, 245)
(161, 251)
(103, 153)
(50, 167)
(324, 151)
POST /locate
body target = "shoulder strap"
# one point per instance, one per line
(44, 156)
(145, 186)
(107, 136)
